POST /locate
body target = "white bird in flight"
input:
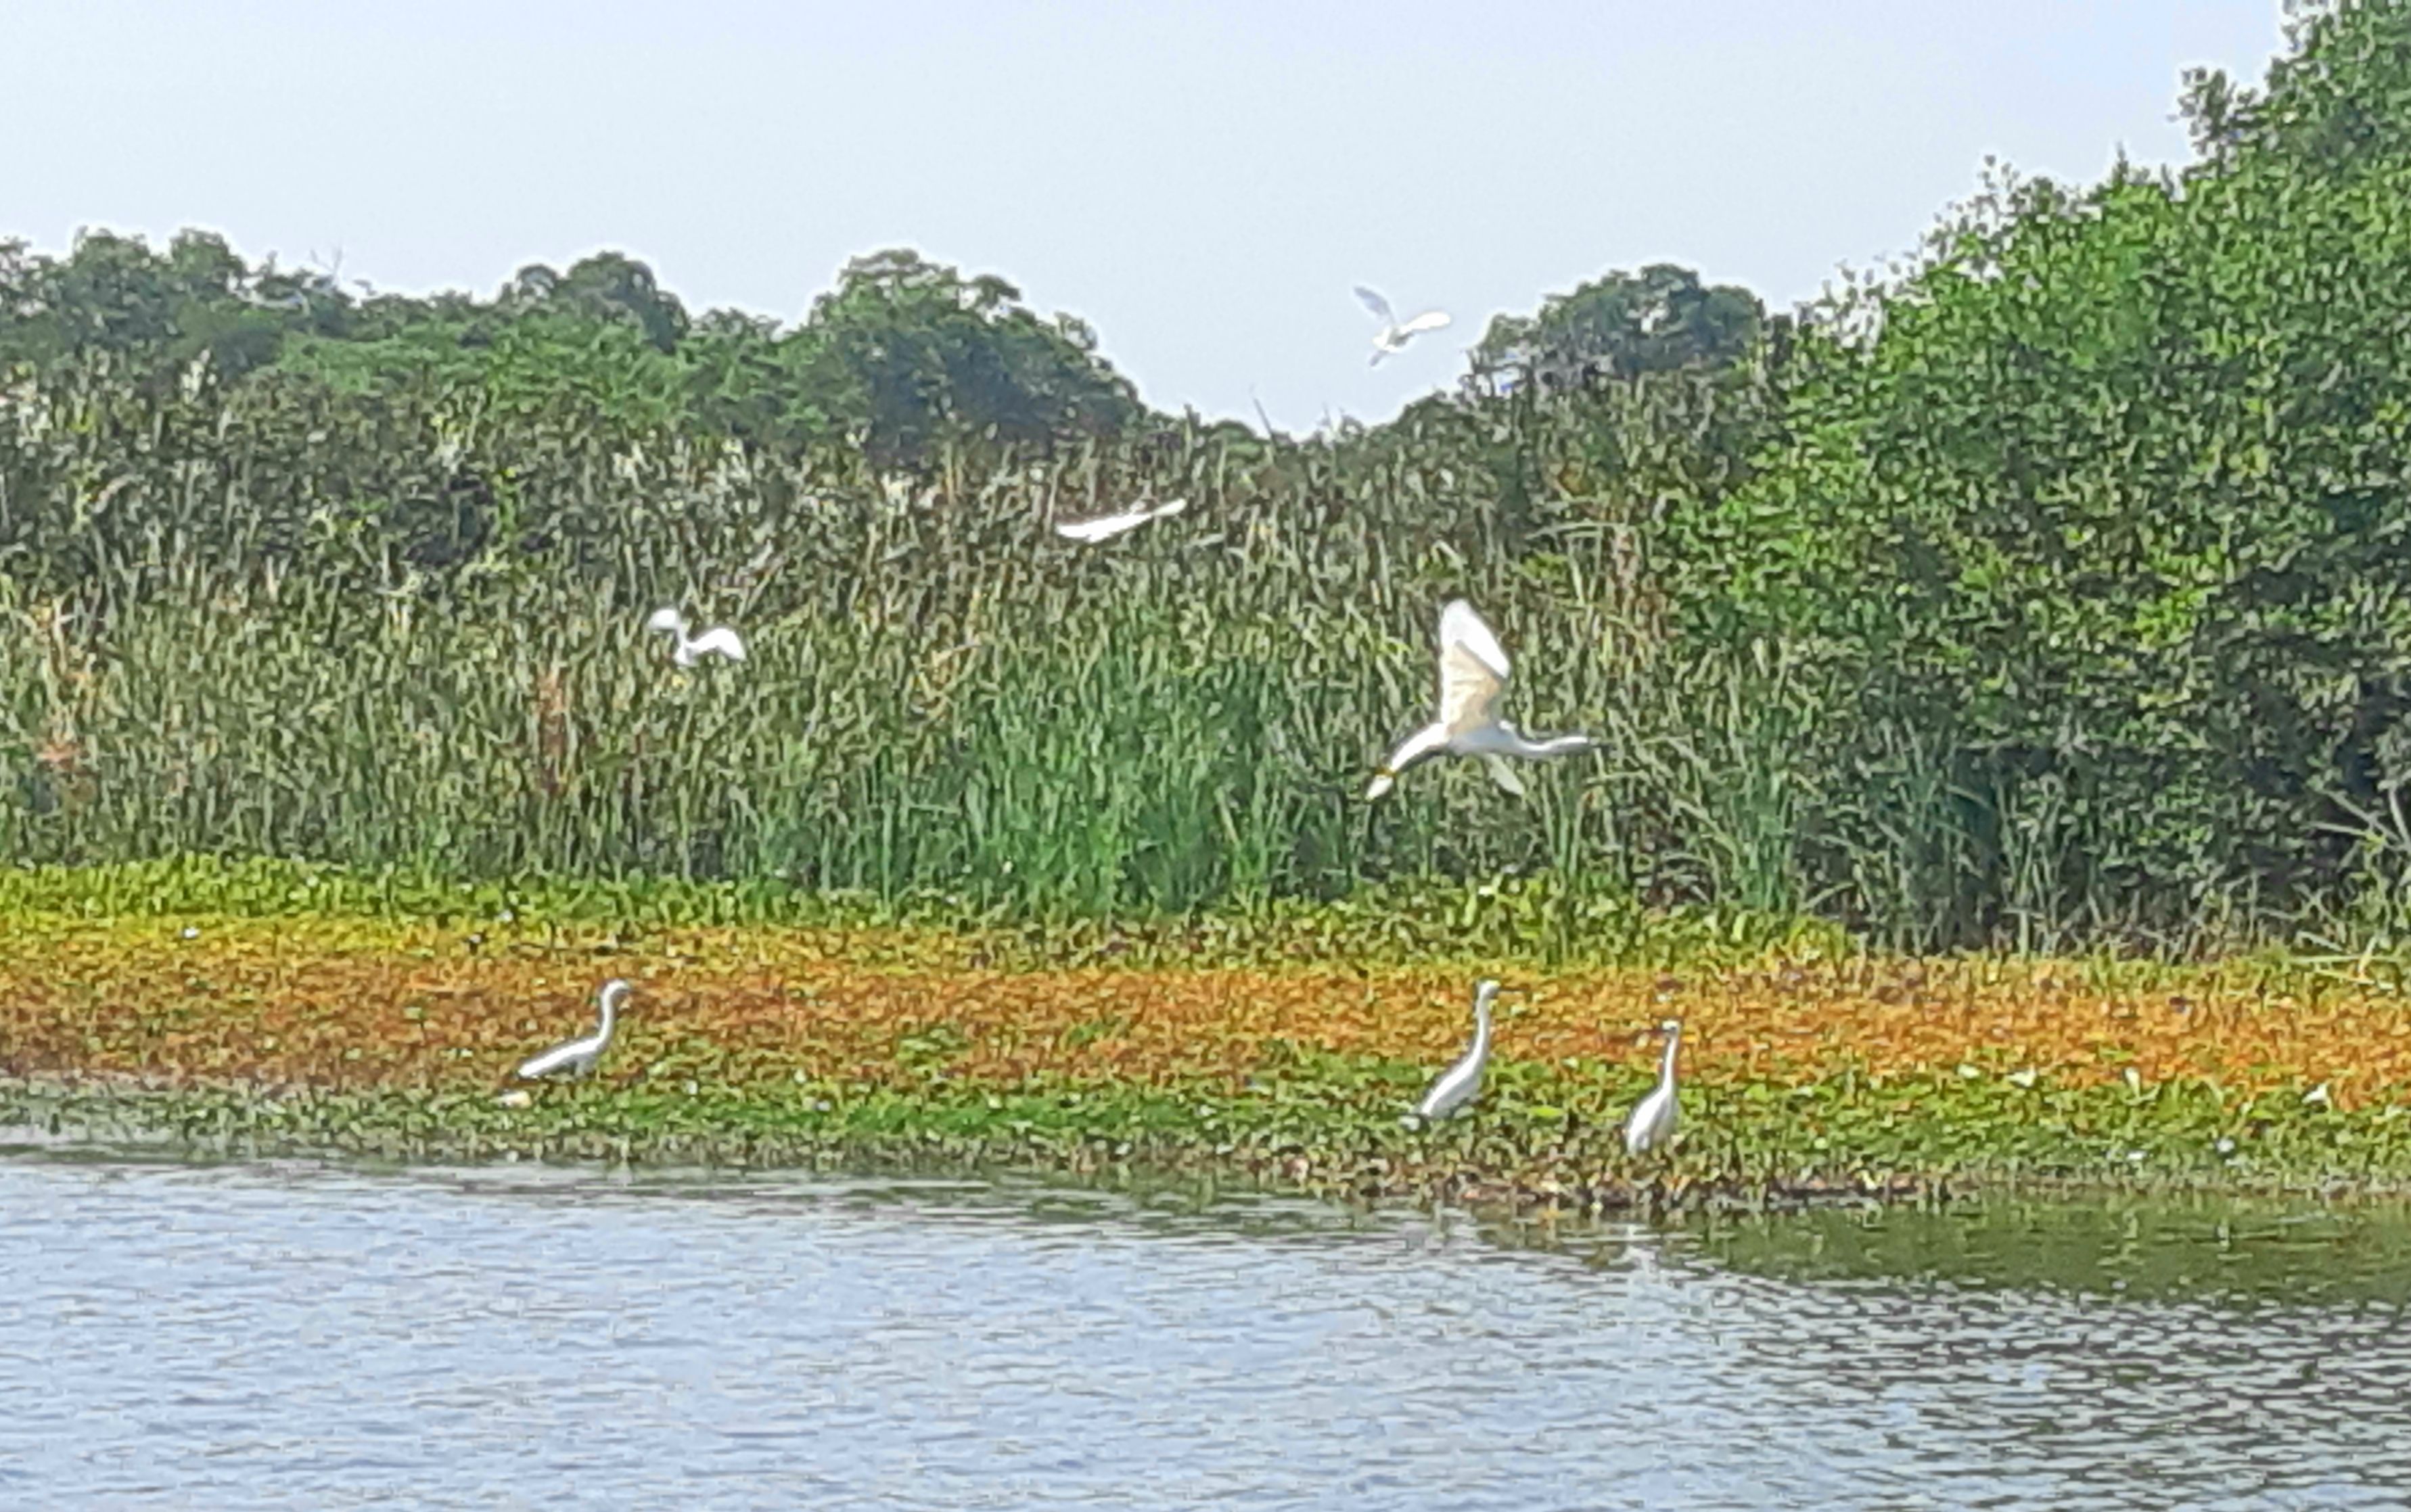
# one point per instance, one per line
(1462, 1082)
(1105, 527)
(1395, 334)
(1654, 1117)
(1472, 675)
(686, 650)
(578, 1056)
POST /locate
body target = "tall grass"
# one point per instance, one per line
(1159, 741)
(941, 693)
(397, 632)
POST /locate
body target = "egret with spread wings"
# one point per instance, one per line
(685, 650)
(1105, 527)
(1472, 677)
(1395, 334)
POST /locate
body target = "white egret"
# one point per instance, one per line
(1105, 527)
(1654, 1117)
(1395, 334)
(578, 1056)
(686, 650)
(1472, 676)
(1462, 1082)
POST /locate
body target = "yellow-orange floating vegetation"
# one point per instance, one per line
(320, 1004)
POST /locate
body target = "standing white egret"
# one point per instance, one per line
(1462, 1082)
(1654, 1117)
(1394, 334)
(686, 650)
(1472, 676)
(1105, 527)
(578, 1056)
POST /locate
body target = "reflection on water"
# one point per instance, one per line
(296, 1336)
(2174, 1248)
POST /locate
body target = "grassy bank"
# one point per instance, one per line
(1277, 1050)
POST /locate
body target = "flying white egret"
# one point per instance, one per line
(1393, 335)
(1654, 1117)
(1472, 675)
(1462, 1082)
(687, 651)
(1105, 527)
(578, 1056)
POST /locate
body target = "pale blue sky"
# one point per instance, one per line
(1203, 182)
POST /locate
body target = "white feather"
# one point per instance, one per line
(1473, 669)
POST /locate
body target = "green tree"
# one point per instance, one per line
(2097, 525)
(1622, 325)
(611, 286)
(113, 294)
(908, 354)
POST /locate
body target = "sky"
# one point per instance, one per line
(1203, 183)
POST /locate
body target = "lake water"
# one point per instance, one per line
(302, 1336)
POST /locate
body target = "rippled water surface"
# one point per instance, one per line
(306, 1337)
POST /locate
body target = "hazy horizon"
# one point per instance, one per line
(1203, 185)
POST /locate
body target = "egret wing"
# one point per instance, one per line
(1428, 320)
(1472, 668)
(723, 641)
(1103, 528)
(667, 619)
(1379, 306)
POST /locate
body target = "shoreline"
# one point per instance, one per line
(246, 1124)
(1806, 1081)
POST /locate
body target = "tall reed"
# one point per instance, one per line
(397, 630)
(940, 696)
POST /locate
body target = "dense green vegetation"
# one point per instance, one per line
(1327, 1127)
(2049, 591)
